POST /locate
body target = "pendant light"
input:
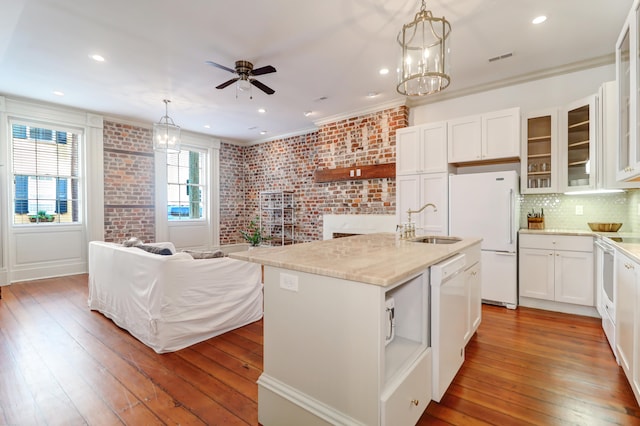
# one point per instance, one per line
(166, 135)
(424, 62)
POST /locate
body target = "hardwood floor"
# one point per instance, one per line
(63, 364)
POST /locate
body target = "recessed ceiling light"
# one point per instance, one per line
(206, 126)
(539, 20)
(384, 71)
(262, 110)
(372, 94)
(263, 132)
(97, 58)
(58, 93)
(307, 113)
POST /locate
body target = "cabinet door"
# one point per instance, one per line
(574, 277)
(434, 189)
(407, 151)
(625, 300)
(474, 300)
(433, 147)
(536, 273)
(464, 136)
(539, 173)
(625, 95)
(501, 134)
(408, 196)
(578, 151)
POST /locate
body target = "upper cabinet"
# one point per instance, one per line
(486, 137)
(627, 76)
(578, 145)
(539, 173)
(421, 149)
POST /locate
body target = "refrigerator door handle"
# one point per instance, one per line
(511, 216)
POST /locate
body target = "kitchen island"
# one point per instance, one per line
(329, 356)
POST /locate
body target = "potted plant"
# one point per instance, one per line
(42, 216)
(254, 235)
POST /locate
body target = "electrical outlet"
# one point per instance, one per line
(358, 172)
(288, 282)
(579, 211)
(351, 173)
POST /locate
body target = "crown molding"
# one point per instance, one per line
(520, 79)
(357, 113)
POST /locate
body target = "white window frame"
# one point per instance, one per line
(191, 233)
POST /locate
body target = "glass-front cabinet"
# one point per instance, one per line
(628, 78)
(539, 166)
(578, 152)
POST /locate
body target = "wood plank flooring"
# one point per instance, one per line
(63, 364)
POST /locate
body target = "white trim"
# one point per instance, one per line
(357, 113)
(306, 402)
(523, 78)
(283, 136)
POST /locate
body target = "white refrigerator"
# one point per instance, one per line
(486, 205)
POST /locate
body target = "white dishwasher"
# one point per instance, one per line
(448, 321)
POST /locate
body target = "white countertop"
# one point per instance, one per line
(378, 259)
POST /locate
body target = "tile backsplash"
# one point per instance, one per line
(560, 209)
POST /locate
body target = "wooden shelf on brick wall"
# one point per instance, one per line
(376, 171)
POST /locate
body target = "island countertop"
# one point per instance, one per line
(378, 259)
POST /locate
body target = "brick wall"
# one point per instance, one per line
(232, 199)
(129, 183)
(283, 164)
(290, 164)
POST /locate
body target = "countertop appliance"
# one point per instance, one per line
(605, 288)
(484, 205)
(448, 321)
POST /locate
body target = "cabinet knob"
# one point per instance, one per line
(628, 266)
(415, 402)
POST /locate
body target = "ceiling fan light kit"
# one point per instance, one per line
(245, 77)
(424, 61)
(166, 135)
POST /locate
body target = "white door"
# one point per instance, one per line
(483, 205)
(499, 277)
(434, 190)
(574, 277)
(537, 273)
(408, 196)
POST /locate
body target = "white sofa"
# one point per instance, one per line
(171, 302)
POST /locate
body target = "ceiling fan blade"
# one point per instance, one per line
(263, 70)
(222, 67)
(227, 83)
(266, 89)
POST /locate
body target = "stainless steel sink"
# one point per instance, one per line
(436, 239)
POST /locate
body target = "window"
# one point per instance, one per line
(186, 182)
(45, 175)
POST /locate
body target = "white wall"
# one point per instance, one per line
(550, 92)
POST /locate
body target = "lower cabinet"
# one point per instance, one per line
(473, 290)
(557, 268)
(627, 299)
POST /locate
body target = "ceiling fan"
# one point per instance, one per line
(245, 72)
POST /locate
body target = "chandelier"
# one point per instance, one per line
(424, 64)
(166, 135)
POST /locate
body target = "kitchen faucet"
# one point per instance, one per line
(409, 212)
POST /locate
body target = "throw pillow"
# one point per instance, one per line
(205, 254)
(132, 242)
(155, 250)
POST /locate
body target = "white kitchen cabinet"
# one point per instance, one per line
(557, 268)
(578, 145)
(421, 149)
(625, 298)
(539, 167)
(326, 359)
(414, 191)
(473, 290)
(628, 78)
(490, 136)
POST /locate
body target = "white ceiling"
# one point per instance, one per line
(156, 49)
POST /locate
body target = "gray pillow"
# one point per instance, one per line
(155, 250)
(205, 254)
